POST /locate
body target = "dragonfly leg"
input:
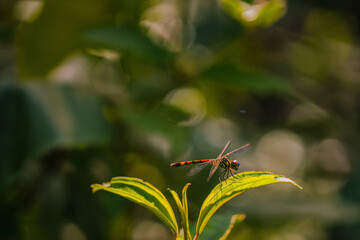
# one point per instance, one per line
(219, 175)
(227, 174)
(233, 173)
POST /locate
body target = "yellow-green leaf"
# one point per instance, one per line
(183, 209)
(257, 14)
(218, 225)
(185, 206)
(232, 187)
(235, 220)
(144, 194)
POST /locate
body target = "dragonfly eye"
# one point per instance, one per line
(235, 164)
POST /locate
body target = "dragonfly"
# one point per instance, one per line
(229, 167)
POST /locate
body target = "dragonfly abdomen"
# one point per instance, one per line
(188, 162)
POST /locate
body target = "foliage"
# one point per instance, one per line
(92, 89)
(150, 197)
(255, 13)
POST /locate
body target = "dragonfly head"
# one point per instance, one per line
(235, 165)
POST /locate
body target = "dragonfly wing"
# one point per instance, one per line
(246, 146)
(213, 169)
(226, 146)
(197, 168)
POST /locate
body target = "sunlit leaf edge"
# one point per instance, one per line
(186, 210)
(235, 220)
(183, 209)
(167, 217)
(178, 204)
(208, 210)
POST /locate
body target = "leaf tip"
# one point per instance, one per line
(284, 179)
(240, 217)
(96, 187)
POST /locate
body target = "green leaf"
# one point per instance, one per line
(235, 220)
(144, 194)
(43, 43)
(154, 122)
(252, 80)
(125, 40)
(180, 207)
(38, 117)
(217, 227)
(232, 187)
(259, 14)
(186, 210)
(183, 209)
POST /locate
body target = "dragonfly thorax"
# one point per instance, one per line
(235, 165)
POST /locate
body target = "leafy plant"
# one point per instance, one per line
(255, 14)
(145, 194)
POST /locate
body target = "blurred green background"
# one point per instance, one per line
(93, 89)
